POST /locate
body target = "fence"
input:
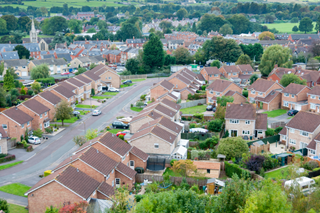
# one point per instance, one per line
(156, 163)
(314, 174)
(277, 124)
(175, 180)
(126, 77)
(192, 103)
(271, 139)
(156, 75)
(200, 136)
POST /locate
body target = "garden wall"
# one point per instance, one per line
(175, 180)
(192, 103)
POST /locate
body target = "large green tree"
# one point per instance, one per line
(8, 81)
(22, 52)
(165, 26)
(132, 65)
(305, 25)
(274, 54)
(182, 55)
(129, 29)
(254, 51)
(12, 22)
(225, 29)
(3, 26)
(291, 78)
(153, 55)
(317, 27)
(63, 111)
(23, 23)
(40, 71)
(75, 25)
(240, 24)
(102, 24)
(211, 22)
(223, 100)
(243, 59)
(3, 94)
(182, 13)
(232, 147)
(58, 39)
(54, 24)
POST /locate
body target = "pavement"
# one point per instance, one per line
(49, 154)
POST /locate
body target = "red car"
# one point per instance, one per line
(123, 133)
(65, 73)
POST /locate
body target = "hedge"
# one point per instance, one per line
(234, 168)
(7, 158)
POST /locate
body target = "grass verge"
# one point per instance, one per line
(110, 93)
(71, 120)
(126, 85)
(115, 131)
(136, 109)
(17, 209)
(194, 110)
(15, 189)
(85, 106)
(83, 112)
(275, 113)
(100, 97)
(136, 80)
(10, 165)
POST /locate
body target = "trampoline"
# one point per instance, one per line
(156, 163)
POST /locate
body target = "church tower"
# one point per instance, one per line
(33, 34)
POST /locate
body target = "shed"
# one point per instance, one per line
(215, 186)
(180, 152)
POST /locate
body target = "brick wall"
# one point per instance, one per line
(138, 162)
(47, 104)
(89, 170)
(157, 92)
(124, 180)
(115, 79)
(176, 82)
(36, 118)
(14, 129)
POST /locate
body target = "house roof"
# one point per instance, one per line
(114, 143)
(10, 55)
(171, 104)
(181, 150)
(230, 69)
(75, 82)
(139, 153)
(158, 131)
(17, 115)
(261, 121)
(212, 70)
(165, 110)
(166, 84)
(65, 56)
(241, 111)
(200, 77)
(36, 106)
(269, 97)
(245, 67)
(3, 133)
(305, 121)
(63, 91)
(50, 61)
(164, 122)
(283, 131)
(293, 88)
(312, 145)
(126, 170)
(168, 94)
(144, 113)
(92, 75)
(207, 165)
(67, 86)
(16, 63)
(106, 189)
(315, 90)
(261, 85)
(83, 79)
(219, 85)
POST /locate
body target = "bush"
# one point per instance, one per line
(143, 97)
(48, 130)
(269, 132)
(178, 101)
(4, 206)
(29, 148)
(121, 137)
(310, 165)
(203, 145)
(172, 161)
(278, 129)
(30, 92)
(199, 116)
(215, 125)
(139, 104)
(235, 169)
(192, 125)
(245, 93)
(46, 173)
(38, 133)
(138, 198)
(255, 163)
(7, 158)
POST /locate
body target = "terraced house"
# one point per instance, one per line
(210, 73)
(50, 100)
(56, 66)
(314, 99)
(95, 81)
(64, 94)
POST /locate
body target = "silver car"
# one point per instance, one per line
(96, 112)
(34, 140)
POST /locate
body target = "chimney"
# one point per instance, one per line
(241, 104)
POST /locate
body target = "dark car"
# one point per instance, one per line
(127, 82)
(119, 124)
(292, 112)
(209, 108)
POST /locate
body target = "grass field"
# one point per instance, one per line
(17, 209)
(100, 97)
(275, 113)
(10, 165)
(286, 27)
(277, 174)
(194, 110)
(136, 109)
(15, 189)
(110, 93)
(85, 106)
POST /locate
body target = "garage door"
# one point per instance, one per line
(297, 107)
(24, 73)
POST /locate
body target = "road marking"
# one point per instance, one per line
(31, 157)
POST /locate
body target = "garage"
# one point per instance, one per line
(24, 73)
(297, 107)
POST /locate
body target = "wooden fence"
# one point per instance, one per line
(277, 124)
(129, 77)
(192, 103)
(175, 180)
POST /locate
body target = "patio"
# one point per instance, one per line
(276, 148)
(93, 102)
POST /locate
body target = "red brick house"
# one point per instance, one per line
(261, 88)
(160, 89)
(64, 94)
(271, 102)
(294, 96)
(50, 100)
(230, 71)
(210, 73)
(314, 99)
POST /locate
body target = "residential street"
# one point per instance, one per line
(57, 148)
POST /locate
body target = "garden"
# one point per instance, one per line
(138, 106)
(194, 110)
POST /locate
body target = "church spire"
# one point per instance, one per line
(33, 33)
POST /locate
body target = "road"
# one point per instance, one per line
(52, 152)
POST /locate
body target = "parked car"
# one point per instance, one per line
(112, 89)
(209, 108)
(292, 112)
(119, 124)
(127, 82)
(34, 140)
(74, 71)
(96, 112)
(75, 113)
(65, 73)
(123, 133)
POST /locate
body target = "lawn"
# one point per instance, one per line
(171, 173)
(17, 209)
(71, 120)
(136, 80)
(15, 189)
(194, 110)
(100, 97)
(286, 27)
(275, 113)
(10, 165)
(136, 109)
(277, 174)
(126, 85)
(110, 93)
(85, 106)
(83, 112)
(115, 131)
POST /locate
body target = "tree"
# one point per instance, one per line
(225, 29)
(211, 22)
(8, 81)
(53, 25)
(12, 72)
(182, 13)
(295, 29)
(254, 51)
(243, 59)
(132, 65)
(220, 112)
(52, 209)
(129, 29)
(102, 24)
(23, 22)
(232, 147)
(63, 111)
(153, 55)
(91, 134)
(79, 140)
(4, 206)
(165, 26)
(121, 200)
(75, 25)
(194, 27)
(3, 94)
(270, 198)
(91, 30)
(223, 100)
(22, 52)
(80, 71)
(182, 55)
(305, 25)
(274, 54)
(265, 34)
(92, 66)
(3, 26)
(1, 68)
(184, 167)
(215, 125)
(291, 78)
(58, 39)
(317, 27)
(40, 71)
(240, 24)
(253, 78)
(36, 86)
(315, 48)
(215, 63)
(12, 23)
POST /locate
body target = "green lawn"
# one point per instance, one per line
(277, 174)
(100, 97)
(136, 109)
(194, 110)
(17, 209)
(10, 165)
(275, 113)
(286, 27)
(82, 112)
(115, 131)
(110, 93)
(126, 85)
(85, 106)
(136, 80)
(171, 173)
(71, 120)
(15, 189)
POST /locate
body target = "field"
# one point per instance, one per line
(286, 27)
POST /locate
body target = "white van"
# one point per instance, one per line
(307, 185)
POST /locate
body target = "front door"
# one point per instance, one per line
(255, 133)
(132, 164)
(117, 182)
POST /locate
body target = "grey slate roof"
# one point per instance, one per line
(50, 61)
(10, 55)
(64, 56)
(32, 47)
(16, 62)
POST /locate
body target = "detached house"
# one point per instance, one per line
(242, 120)
(314, 99)
(261, 88)
(210, 73)
(160, 89)
(294, 96)
(20, 67)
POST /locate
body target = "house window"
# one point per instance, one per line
(208, 171)
(40, 115)
(313, 97)
(234, 73)
(45, 114)
(303, 145)
(211, 92)
(292, 96)
(108, 176)
(4, 126)
(110, 78)
(176, 85)
(156, 146)
(253, 92)
(285, 103)
(229, 73)
(246, 132)
(291, 130)
(28, 123)
(284, 137)
(291, 141)
(312, 106)
(259, 131)
(313, 152)
(216, 75)
(303, 133)
(217, 93)
(113, 183)
(210, 75)
(232, 121)
(286, 94)
(22, 125)
(247, 122)
(260, 93)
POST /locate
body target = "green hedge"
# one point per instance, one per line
(46, 80)
(234, 168)
(7, 158)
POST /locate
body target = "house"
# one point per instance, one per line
(87, 85)
(64, 94)
(112, 56)
(83, 61)
(80, 91)
(219, 88)
(56, 66)
(261, 88)
(271, 102)
(283, 136)
(15, 122)
(314, 99)
(85, 15)
(210, 73)
(296, 37)
(169, 96)
(10, 55)
(238, 98)
(95, 81)
(44, 43)
(186, 36)
(50, 100)
(174, 44)
(242, 120)
(136, 43)
(208, 168)
(34, 50)
(108, 76)
(246, 71)
(77, 90)
(230, 71)
(294, 96)
(20, 67)
(160, 89)
(3, 141)
(302, 131)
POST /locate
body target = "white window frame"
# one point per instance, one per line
(229, 73)
(4, 126)
(312, 106)
(247, 122)
(156, 145)
(286, 94)
(233, 121)
(211, 92)
(312, 96)
(245, 132)
(286, 103)
(292, 95)
(46, 113)
(304, 133)
(108, 176)
(217, 93)
(253, 92)
(291, 130)
(216, 75)
(113, 183)
(260, 132)
(40, 115)
(22, 125)
(291, 141)
(284, 137)
(313, 152)
(260, 93)
(28, 123)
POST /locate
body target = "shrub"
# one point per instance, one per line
(30, 92)
(310, 165)
(139, 104)
(38, 133)
(121, 137)
(178, 101)
(7, 158)
(278, 129)
(245, 93)
(269, 132)
(131, 105)
(203, 145)
(77, 101)
(143, 97)
(255, 163)
(29, 148)
(192, 125)
(4, 206)
(172, 161)
(138, 198)
(215, 125)
(48, 130)
(235, 169)
(199, 116)
(46, 173)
